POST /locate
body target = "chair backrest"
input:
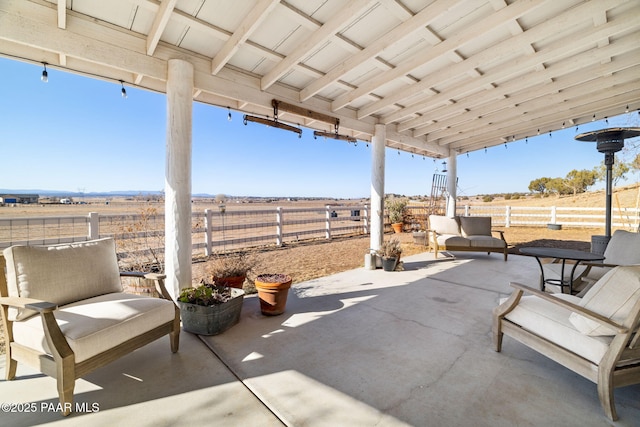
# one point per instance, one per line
(61, 274)
(475, 225)
(623, 248)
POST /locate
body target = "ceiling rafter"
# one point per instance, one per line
(423, 18)
(559, 49)
(62, 14)
(160, 22)
(328, 30)
(251, 21)
(513, 11)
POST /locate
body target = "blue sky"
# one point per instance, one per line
(78, 134)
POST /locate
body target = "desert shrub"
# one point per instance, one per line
(487, 198)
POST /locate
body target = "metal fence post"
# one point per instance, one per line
(208, 232)
(327, 228)
(279, 226)
(94, 226)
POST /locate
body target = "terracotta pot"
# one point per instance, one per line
(273, 290)
(397, 227)
(230, 281)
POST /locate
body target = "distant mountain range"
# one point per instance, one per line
(62, 193)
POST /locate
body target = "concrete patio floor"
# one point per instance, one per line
(359, 348)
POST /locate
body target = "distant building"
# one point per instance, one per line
(6, 199)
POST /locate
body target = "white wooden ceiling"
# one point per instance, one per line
(442, 75)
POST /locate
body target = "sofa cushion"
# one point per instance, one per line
(452, 240)
(97, 324)
(613, 296)
(475, 225)
(61, 274)
(486, 242)
(444, 225)
(551, 322)
(623, 248)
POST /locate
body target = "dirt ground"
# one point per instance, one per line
(310, 260)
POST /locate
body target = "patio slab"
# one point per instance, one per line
(359, 348)
(149, 387)
(408, 348)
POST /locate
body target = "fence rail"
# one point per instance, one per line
(217, 230)
(212, 230)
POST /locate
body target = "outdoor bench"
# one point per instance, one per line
(465, 233)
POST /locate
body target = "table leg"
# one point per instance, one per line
(541, 275)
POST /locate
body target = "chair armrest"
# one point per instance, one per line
(600, 264)
(19, 302)
(156, 277)
(501, 234)
(571, 307)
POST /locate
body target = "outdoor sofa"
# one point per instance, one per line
(465, 233)
(65, 314)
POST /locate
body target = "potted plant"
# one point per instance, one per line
(209, 309)
(229, 270)
(390, 252)
(273, 290)
(395, 208)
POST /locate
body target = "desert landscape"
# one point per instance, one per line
(309, 259)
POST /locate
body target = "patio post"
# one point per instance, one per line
(377, 185)
(452, 173)
(178, 176)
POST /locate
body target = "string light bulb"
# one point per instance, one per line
(593, 119)
(45, 75)
(229, 118)
(123, 91)
(626, 110)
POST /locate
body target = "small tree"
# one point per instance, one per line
(579, 181)
(539, 185)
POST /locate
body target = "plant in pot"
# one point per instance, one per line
(273, 290)
(390, 252)
(209, 309)
(395, 208)
(229, 270)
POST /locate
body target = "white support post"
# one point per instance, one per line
(553, 215)
(178, 244)
(377, 186)
(208, 232)
(94, 226)
(507, 217)
(279, 226)
(327, 222)
(466, 210)
(452, 173)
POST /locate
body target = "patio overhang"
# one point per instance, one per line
(445, 76)
(433, 78)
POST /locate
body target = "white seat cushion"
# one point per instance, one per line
(551, 322)
(452, 240)
(613, 296)
(444, 225)
(98, 324)
(486, 242)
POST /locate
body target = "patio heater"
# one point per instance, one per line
(608, 141)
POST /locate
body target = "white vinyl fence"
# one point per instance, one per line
(213, 230)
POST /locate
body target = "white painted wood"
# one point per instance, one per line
(377, 186)
(159, 24)
(178, 176)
